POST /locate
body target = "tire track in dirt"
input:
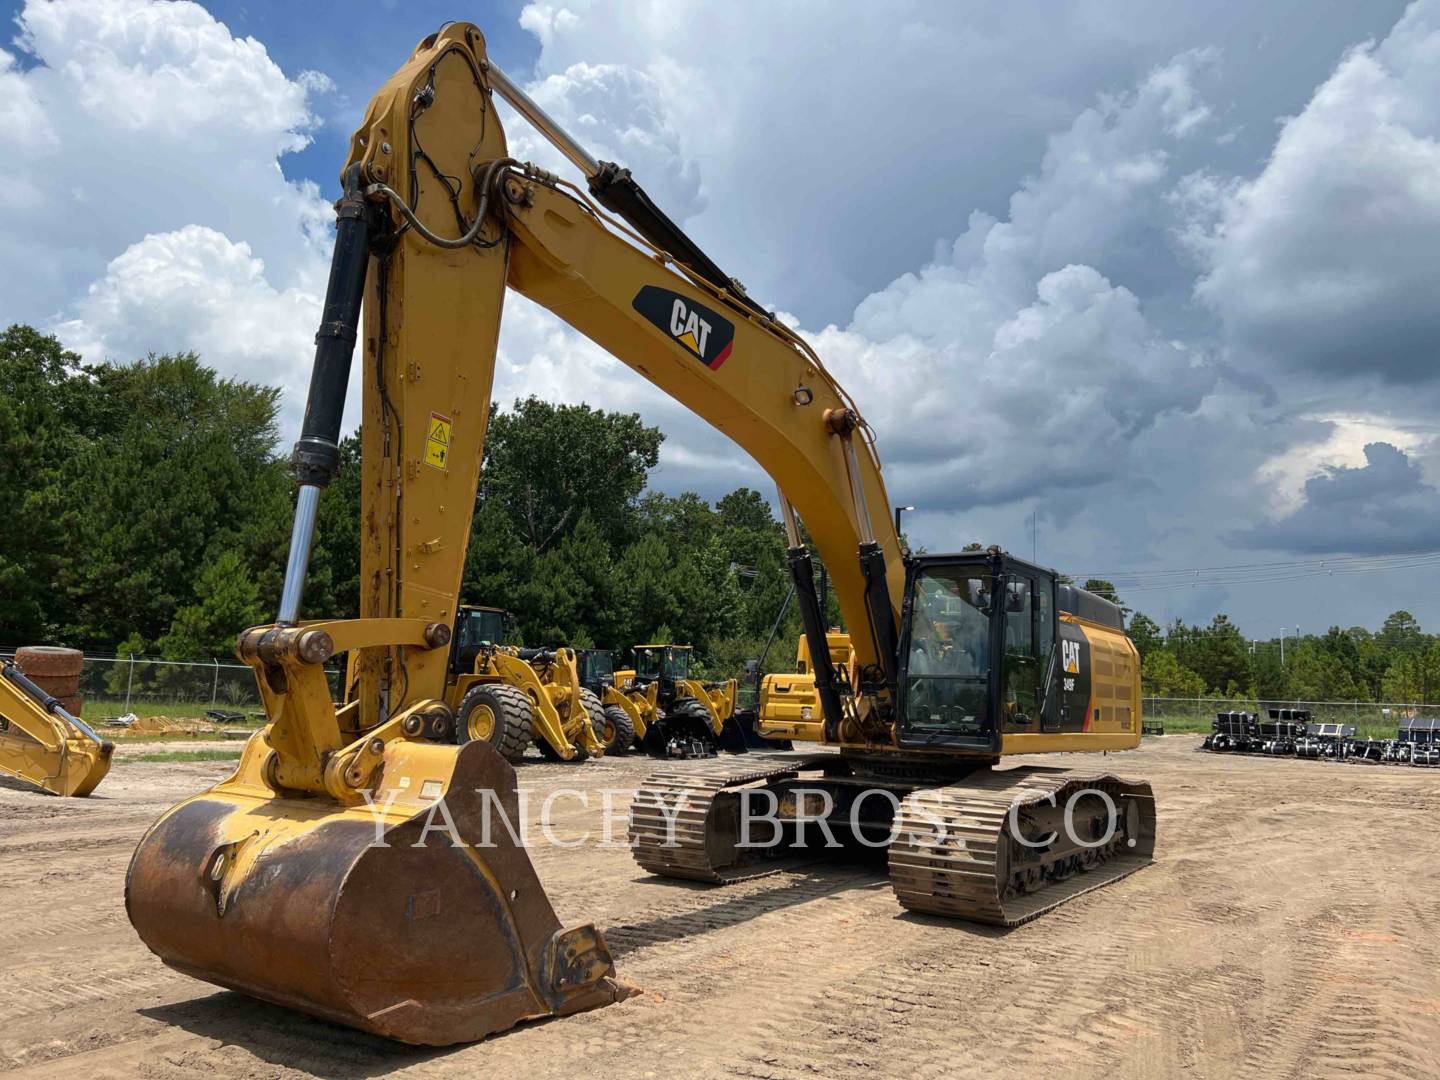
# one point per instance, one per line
(1235, 954)
(37, 994)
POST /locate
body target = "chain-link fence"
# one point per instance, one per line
(147, 685)
(1374, 719)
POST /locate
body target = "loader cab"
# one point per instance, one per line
(977, 647)
(667, 664)
(475, 628)
(596, 668)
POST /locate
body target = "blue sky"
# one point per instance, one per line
(1158, 275)
(358, 45)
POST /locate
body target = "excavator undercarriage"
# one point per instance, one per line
(992, 846)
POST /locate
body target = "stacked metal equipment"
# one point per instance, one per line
(1421, 739)
(1330, 741)
(1292, 733)
(1233, 732)
(1280, 735)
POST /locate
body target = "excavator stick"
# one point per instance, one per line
(43, 744)
(359, 866)
(416, 915)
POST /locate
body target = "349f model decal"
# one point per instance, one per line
(697, 329)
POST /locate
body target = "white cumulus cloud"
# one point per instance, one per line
(149, 210)
(1325, 262)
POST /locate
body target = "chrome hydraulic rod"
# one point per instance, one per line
(302, 534)
(542, 122)
(317, 453)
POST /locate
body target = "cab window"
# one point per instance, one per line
(948, 658)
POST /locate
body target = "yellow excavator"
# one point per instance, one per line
(43, 741)
(359, 869)
(789, 707)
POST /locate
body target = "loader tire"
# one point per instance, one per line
(72, 704)
(595, 712)
(60, 686)
(50, 662)
(616, 730)
(690, 719)
(499, 715)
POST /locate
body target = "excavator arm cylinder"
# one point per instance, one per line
(51, 705)
(317, 453)
(812, 618)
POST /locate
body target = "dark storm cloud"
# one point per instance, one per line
(1382, 507)
(1326, 262)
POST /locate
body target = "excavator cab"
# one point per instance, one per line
(977, 651)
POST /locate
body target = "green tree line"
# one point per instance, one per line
(1397, 663)
(148, 509)
(147, 505)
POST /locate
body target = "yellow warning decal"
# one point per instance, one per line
(437, 441)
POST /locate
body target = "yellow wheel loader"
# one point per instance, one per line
(672, 714)
(43, 741)
(508, 697)
(619, 715)
(359, 866)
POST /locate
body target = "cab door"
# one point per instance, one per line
(1027, 647)
(1019, 665)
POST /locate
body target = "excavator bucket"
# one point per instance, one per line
(415, 914)
(43, 744)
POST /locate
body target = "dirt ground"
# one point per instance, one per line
(1287, 928)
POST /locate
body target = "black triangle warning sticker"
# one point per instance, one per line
(437, 441)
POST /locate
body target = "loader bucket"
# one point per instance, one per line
(419, 920)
